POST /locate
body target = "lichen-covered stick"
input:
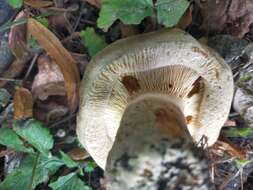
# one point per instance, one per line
(183, 85)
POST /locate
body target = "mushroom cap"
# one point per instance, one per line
(168, 63)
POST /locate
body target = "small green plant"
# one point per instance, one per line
(90, 166)
(15, 3)
(128, 11)
(32, 138)
(32, 42)
(92, 41)
(238, 132)
(244, 78)
(168, 12)
(241, 163)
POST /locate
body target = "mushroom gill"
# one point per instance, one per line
(183, 84)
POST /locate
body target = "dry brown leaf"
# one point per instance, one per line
(23, 103)
(17, 43)
(17, 37)
(38, 3)
(225, 145)
(62, 58)
(78, 154)
(186, 19)
(217, 15)
(49, 80)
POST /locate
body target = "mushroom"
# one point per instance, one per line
(185, 88)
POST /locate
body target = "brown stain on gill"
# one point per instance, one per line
(131, 84)
(188, 119)
(197, 85)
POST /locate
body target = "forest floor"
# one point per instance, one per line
(32, 77)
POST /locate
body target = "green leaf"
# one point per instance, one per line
(242, 163)
(15, 3)
(33, 44)
(22, 178)
(238, 132)
(35, 134)
(68, 161)
(128, 11)
(169, 12)
(245, 78)
(10, 139)
(92, 41)
(90, 167)
(43, 21)
(69, 182)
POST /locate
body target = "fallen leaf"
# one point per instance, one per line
(17, 44)
(62, 58)
(78, 154)
(38, 3)
(17, 37)
(49, 80)
(23, 103)
(217, 15)
(233, 150)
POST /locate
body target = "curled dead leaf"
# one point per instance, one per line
(49, 81)
(223, 144)
(61, 57)
(78, 154)
(17, 37)
(23, 103)
(17, 44)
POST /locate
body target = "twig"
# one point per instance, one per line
(10, 80)
(31, 66)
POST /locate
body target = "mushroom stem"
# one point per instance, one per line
(160, 110)
(152, 117)
(153, 144)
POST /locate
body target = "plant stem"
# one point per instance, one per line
(33, 171)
